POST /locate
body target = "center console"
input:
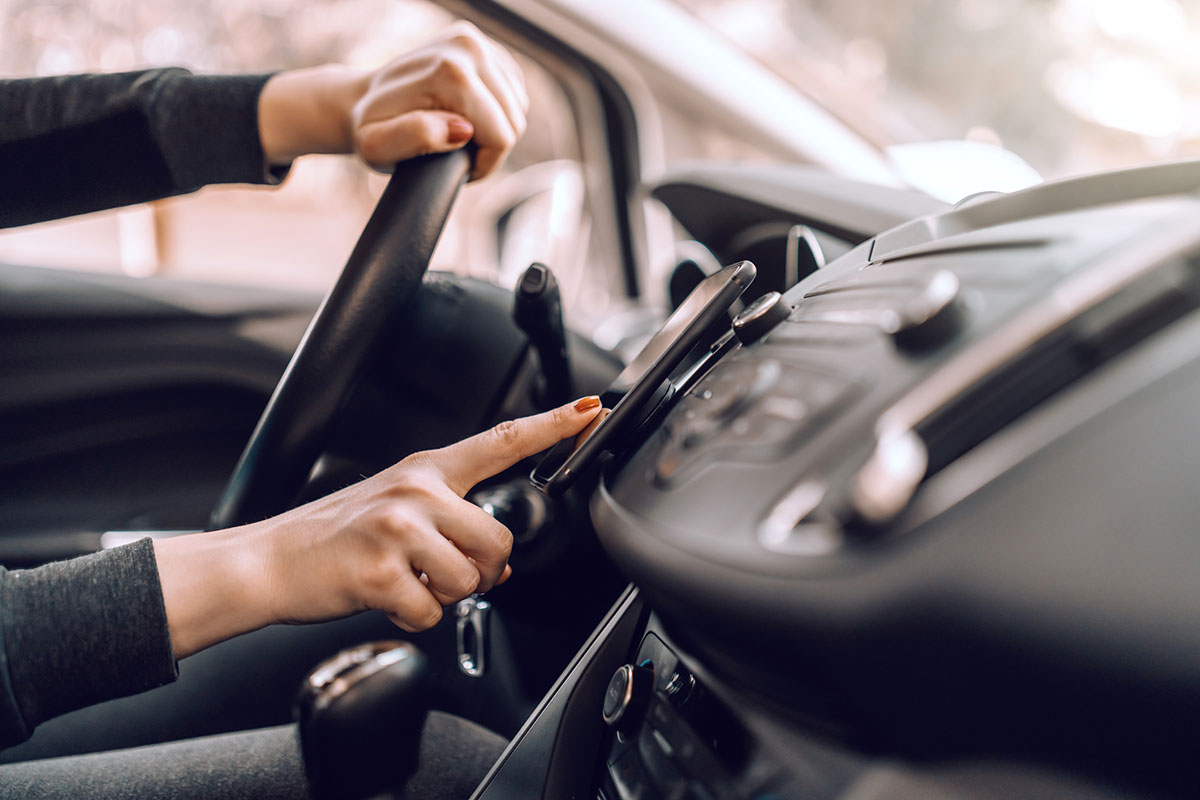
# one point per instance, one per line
(928, 531)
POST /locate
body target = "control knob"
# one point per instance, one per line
(627, 697)
(760, 317)
(930, 318)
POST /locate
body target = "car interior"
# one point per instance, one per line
(907, 512)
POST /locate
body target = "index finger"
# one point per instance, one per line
(470, 461)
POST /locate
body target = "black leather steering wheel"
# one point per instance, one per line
(383, 272)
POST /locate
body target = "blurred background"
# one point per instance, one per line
(297, 235)
(1069, 85)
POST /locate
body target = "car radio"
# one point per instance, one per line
(670, 737)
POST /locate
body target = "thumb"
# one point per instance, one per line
(468, 462)
(384, 142)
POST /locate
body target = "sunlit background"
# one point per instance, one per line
(1069, 85)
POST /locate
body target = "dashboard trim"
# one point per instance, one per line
(882, 494)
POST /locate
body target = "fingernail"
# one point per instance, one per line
(586, 403)
(458, 131)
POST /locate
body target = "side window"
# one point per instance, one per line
(297, 235)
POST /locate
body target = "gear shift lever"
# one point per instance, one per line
(360, 715)
(537, 310)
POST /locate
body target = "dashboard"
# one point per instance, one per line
(929, 532)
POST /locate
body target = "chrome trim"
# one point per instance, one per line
(784, 529)
(795, 235)
(611, 719)
(471, 614)
(883, 486)
(334, 677)
(680, 684)
(692, 250)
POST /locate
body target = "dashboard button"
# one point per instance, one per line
(800, 398)
(752, 408)
(727, 397)
(728, 389)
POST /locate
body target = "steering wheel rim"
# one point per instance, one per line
(382, 273)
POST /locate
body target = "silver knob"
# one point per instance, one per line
(760, 317)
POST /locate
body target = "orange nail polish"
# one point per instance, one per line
(458, 131)
(587, 403)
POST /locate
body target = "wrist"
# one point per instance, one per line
(212, 586)
(309, 111)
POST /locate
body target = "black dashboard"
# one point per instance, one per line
(933, 534)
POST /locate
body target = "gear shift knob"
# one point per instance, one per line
(360, 715)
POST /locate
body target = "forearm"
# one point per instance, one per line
(214, 586)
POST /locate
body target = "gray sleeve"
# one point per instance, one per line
(78, 632)
(79, 143)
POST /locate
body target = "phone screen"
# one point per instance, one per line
(644, 378)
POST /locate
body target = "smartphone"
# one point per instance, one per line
(644, 379)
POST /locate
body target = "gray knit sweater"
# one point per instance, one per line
(78, 632)
(80, 143)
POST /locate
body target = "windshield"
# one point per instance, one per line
(1070, 85)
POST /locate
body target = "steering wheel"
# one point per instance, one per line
(382, 273)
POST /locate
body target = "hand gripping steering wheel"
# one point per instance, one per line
(383, 272)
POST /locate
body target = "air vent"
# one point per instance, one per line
(1083, 344)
